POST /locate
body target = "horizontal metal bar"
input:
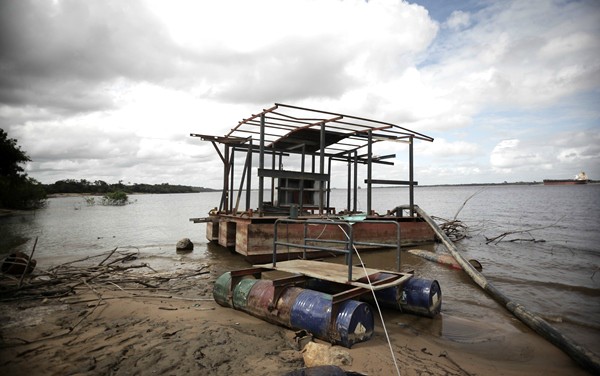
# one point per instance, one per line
(333, 241)
(382, 245)
(391, 182)
(316, 248)
(264, 172)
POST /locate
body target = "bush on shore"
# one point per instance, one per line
(116, 198)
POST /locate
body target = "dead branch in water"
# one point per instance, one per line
(499, 238)
(465, 202)
(455, 229)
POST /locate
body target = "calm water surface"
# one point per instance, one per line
(557, 276)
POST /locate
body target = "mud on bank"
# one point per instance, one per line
(137, 321)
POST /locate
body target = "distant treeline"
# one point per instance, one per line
(101, 187)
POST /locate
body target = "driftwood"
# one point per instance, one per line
(499, 238)
(454, 228)
(116, 271)
(581, 355)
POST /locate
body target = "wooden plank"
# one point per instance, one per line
(330, 272)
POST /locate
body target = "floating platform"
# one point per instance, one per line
(308, 142)
(252, 237)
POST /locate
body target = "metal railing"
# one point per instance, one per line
(345, 246)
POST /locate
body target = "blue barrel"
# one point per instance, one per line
(312, 311)
(354, 323)
(222, 290)
(421, 296)
(417, 295)
(241, 292)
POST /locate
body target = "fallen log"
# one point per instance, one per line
(581, 355)
(442, 259)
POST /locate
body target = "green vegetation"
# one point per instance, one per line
(17, 190)
(117, 198)
(101, 187)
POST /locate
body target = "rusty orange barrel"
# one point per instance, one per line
(260, 302)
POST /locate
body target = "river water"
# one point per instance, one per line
(553, 270)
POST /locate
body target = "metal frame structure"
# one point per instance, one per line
(282, 130)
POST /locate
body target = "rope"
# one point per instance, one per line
(362, 264)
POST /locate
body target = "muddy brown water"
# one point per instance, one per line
(551, 266)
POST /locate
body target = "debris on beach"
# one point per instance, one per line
(17, 264)
(116, 270)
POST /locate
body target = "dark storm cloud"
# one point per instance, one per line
(58, 54)
(67, 56)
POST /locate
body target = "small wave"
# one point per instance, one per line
(588, 291)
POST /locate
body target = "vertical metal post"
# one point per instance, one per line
(261, 165)
(249, 177)
(398, 246)
(349, 187)
(273, 179)
(369, 170)
(305, 235)
(328, 184)
(322, 168)
(279, 167)
(411, 177)
(355, 199)
(351, 251)
(275, 238)
(302, 166)
(231, 188)
(225, 195)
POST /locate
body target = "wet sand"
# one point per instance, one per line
(183, 331)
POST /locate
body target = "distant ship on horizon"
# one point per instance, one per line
(580, 178)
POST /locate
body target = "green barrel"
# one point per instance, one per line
(222, 289)
(241, 292)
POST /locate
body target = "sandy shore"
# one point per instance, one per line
(176, 328)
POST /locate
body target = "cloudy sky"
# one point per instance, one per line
(110, 90)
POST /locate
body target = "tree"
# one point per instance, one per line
(17, 190)
(12, 156)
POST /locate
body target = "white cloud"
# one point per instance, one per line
(114, 86)
(458, 20)
(509, 155)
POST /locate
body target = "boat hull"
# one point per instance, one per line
(564, 182)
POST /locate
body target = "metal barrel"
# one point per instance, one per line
(421, 296)
(241, 292)
(260, 302)
(222, 290)
(417, 295)
(312, 311)
(354, 323)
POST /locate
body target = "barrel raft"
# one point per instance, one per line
(297, 309)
